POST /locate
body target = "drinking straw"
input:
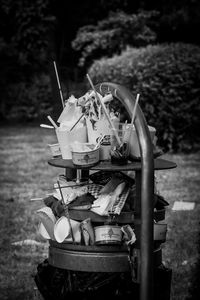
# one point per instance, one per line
(78, 119)
(133, 115)
(46, 126)
(40, 198)
(59, 86)
(134, 109)
(99, 142)
(105, 110)
(52, 122)
(76, 122)
(78, 176)
(66, 211)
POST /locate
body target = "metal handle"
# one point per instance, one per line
(147, 184)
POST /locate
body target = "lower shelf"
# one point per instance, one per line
(107, 259)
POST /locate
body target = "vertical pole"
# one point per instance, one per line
(147, 186)
(146, 242)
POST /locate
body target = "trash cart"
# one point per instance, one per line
(144, 275)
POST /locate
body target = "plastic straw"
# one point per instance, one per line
(52, 122)
(76, 122)
(105, 110)
(134, 109)
(99, 142)
(46, 126)
(36, 199)
(59, 86)
(133, 115)
(78, 176)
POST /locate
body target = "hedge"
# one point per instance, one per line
(28, 100)
(167, 76)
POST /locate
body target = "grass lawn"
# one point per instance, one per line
(25, 174)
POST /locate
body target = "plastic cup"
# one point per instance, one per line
(119, 152)
(133, 142)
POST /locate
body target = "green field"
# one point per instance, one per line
(25, 174)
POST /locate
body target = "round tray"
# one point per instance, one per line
(159, 164)
(123, 218)
(93, 258)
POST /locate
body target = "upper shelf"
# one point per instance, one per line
(159, 164)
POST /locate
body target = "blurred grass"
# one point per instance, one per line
(25, 174)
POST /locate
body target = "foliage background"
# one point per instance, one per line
(77, 33)
(32, 35)
(167, 77)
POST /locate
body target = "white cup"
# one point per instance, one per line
(43, 232)
(66, 137)
(134, 144)
(48, 220)
(62, 230)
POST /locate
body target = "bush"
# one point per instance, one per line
(112, 35)
(30, 100)
(167, 76)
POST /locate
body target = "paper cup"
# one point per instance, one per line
(48, 220)
(62, 230)
(66, 137)
(43, 232)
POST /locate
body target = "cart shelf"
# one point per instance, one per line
(93, 258)
(159, 164)
(146, 255)
(123, 218)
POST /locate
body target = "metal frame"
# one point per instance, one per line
(147, 185)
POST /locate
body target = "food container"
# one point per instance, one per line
(55, 150)
(86, 158)
(108, 234)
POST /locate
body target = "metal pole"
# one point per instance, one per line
(147, 186)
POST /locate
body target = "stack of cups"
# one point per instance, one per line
(66, 137)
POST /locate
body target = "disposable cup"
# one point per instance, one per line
(48, 220)
(66, 137)
(119, 152)
(134, 144)
(62, 230)
(43, 232)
